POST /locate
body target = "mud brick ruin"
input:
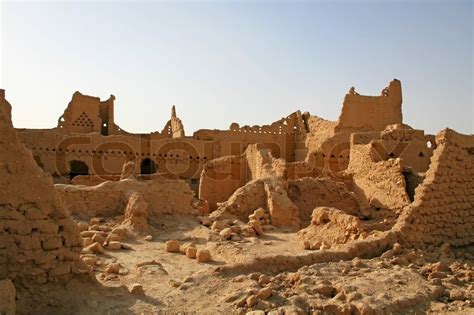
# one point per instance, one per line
(363, 215)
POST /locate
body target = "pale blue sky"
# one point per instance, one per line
(245, 61)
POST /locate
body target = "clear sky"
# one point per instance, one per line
(244, 61)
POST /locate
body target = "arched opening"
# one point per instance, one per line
(77, 168)
(147, 166)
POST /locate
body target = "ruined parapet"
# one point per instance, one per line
(372, 112)
(292, 124)
(39, 242)
(86, 114)
(443, 209)
(177, 129)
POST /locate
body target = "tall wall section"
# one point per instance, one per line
(328, 142)
(39, 242)
(372, 112)
(443, 210)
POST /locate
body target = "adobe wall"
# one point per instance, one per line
(372, 112)
(378, 184)
(443, 210)
(310, 193)
(401, 141)
(85, 114)
(106, 155)
(39, 242)
(164, 196)
(328, 142)
(221, 177)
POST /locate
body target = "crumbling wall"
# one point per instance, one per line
(295, 170)
(330, 226)
(378, 184)
(401, 141)
(328, 142)
(177, 128)
(244, 201)
(309, 193)
(39, 242)
(268, 174)
(221, 177)
(85, 114)
(164, 196)
(443, 210)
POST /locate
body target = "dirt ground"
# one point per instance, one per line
(234, 281)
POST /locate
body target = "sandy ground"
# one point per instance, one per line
(173, 283)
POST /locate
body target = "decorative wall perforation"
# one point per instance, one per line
(83, 121)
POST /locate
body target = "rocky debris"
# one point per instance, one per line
(82, 226)
(136, 289)
(114, 245)
(257, 227)
(264, 293)
(226, 233)
(113, 268)
(7, 297)
(93, 248)
(172, 246)
(203, 255)
(90, 259)
(330, 226)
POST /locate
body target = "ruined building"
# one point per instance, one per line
(265, 208)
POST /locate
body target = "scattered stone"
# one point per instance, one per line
(137, 289)
(113, 268)
(82, 226)
(172, 246)
(264, 293)
(255, 224)
(95, 248)
(87, 241)
(94, 221)
(457, 295)
(263, 280)
(191, 252)
(226, 233)
(203, 255)
(251, 300)
(217, 226)
(114, 245)
(98, 238)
